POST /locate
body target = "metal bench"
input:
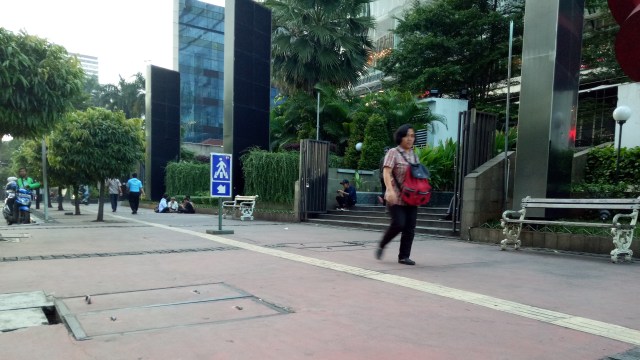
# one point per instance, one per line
(243, 204)
(622, 232)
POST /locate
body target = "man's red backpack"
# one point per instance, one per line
(415, 190)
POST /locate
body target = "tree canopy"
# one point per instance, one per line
(94, 145)
(454, 45)
(38, 82)
(319, 41)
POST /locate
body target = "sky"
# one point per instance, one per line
(125, 35)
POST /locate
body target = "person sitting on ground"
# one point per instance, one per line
(162, 206)
(173, 205)
(347, 197)
(186, 207)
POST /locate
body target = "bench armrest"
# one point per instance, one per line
(513, 215)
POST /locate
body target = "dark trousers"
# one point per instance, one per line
(114, 201)
(344, 201)
(403, 219)
(134, 200)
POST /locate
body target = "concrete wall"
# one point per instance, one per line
(629, 95)
(370, 183)
(483, 194)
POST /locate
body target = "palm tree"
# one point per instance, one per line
(319, 41)
(129, 97)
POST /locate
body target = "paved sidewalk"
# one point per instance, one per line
(164, 289)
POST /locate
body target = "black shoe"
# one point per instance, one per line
(446, 217)
(379, 252)
(406, 261)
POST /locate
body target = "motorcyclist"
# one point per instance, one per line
(24, 182)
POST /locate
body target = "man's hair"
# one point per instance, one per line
(22, 168)
(401, 132)
(135, 175)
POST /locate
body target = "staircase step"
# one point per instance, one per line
(379, 208)
(381, 213)
(380, 227)
(424, 221)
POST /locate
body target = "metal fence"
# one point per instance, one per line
(314, 175)
(476, 142)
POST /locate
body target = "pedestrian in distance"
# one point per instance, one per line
(163, 206)
(135, 190)
(403, 216)
(115, 191)
(173, 205)
(186, 207)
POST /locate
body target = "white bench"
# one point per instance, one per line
(622, 232)
(243, 204)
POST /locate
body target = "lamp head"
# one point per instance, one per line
(621, 114)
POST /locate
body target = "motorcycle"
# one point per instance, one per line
(17, 204)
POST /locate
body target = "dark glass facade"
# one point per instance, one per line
(200, 60)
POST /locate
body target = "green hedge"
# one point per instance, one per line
(271, 175)
(187, 178)
(601, 165)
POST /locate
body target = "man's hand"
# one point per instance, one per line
(27, 187)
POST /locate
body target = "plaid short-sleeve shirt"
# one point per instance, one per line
(399, 167)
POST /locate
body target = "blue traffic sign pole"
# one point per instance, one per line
(221, 184)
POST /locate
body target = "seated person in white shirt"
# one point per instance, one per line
(163, 207)
(173, 205)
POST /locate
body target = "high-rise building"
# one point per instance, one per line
(89, 64)
(198, 55)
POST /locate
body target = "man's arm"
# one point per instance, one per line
(33, 184)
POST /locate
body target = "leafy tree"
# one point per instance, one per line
(38, 81)
(7, 148)
(295, 118)
(598, 44)
(90, 94)
(453, 45)
(375, 139)
(398, 108)
(319, 41)
(94, 145)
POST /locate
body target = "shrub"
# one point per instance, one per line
(358, 124)
(375, 139)
(187, 178)
(271, 175)
(601, 166)
(440, 162)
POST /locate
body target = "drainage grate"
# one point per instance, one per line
(161, 308)
(124, 253)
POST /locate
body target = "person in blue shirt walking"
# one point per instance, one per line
(135, 189)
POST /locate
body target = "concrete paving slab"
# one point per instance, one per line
(16, 319)
(24, 300)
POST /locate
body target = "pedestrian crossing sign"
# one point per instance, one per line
(221, 175)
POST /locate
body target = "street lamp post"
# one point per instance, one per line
(621, 114)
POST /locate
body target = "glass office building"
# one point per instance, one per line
(199, 57)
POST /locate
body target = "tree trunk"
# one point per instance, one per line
(101, 203)
(76, 200)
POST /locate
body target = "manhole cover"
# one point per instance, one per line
(152, 309)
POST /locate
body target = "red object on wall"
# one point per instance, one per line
(627, 14)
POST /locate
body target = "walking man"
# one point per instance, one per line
(115, 191)
(135, 190)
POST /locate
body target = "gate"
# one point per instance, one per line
(314, 176)
(476, 141)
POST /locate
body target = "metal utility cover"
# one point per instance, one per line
(18, 319)
(152, 309)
